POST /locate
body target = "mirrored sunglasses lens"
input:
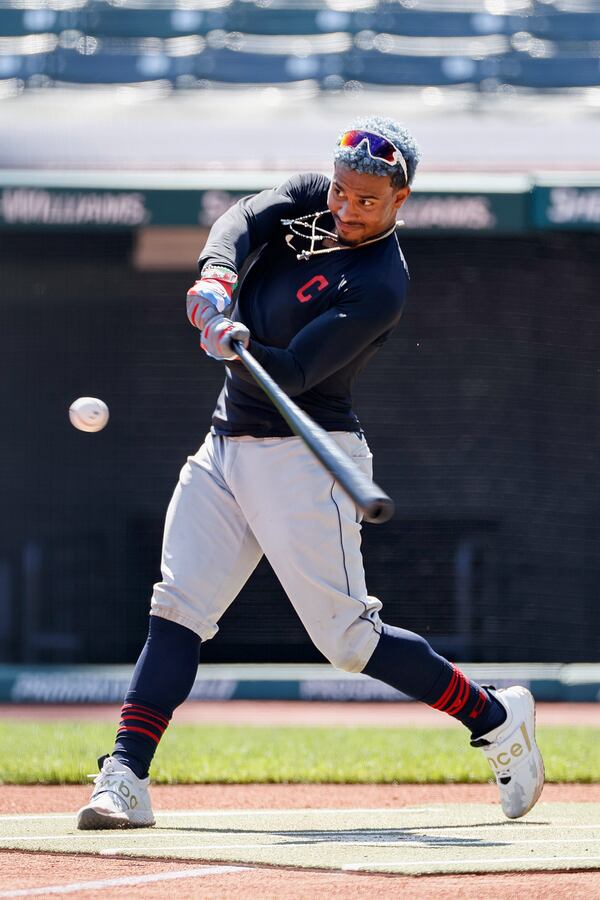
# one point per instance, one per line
(351, 138)
(378, 146)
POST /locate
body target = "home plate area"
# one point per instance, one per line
(449, 838)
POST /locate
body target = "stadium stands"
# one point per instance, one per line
(145, 60)
(245, 63)
(391, 18)
(17, 22)
(297, 18)
(522, 43)
(105, 20)
(561, 27)
(562, 71)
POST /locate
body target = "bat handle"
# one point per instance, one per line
(241, 351)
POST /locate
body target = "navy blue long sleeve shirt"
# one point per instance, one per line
(314, 323)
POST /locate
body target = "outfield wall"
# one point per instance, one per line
(548, 682)
(482, 412)
(499, 204)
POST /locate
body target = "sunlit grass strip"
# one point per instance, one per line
(65, 752)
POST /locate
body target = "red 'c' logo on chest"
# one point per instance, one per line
(313, 287)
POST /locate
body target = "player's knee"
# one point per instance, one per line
(346, 658)
(349, 645)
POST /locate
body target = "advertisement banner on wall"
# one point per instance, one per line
(24, 206)
(566, 207)
(545, 206)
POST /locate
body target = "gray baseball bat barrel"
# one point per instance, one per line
(374, 503)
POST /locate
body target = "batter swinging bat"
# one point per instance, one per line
(375, 505)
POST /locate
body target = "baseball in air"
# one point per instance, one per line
(88, 414)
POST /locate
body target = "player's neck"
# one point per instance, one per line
(338, 244)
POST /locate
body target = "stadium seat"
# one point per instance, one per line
(240, 67)
(562, 26)
(20, 22)
(104, 20)
(280, 18)
(562, 71)
(103, 67)
(373, 67)
(393, 19)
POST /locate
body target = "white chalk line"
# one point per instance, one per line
(48, 837)
(486, 861)
(199, 848)
(127, 881)
(560, 840)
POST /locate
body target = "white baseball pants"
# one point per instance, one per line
(238, 498)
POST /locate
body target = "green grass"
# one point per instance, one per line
(64, 752)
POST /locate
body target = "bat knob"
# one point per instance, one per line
(379, 510)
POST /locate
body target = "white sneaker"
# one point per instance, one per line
(120, 799)
(513, 754)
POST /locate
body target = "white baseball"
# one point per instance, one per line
(88, 414)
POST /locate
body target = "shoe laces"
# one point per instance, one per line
(108, 766)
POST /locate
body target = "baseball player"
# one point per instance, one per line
(314, 281)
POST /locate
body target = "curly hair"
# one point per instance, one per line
(359, 159)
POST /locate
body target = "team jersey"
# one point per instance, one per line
(314, 323)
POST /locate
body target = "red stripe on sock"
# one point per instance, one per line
(147, 709)
(144, 710)
(448, 693)
(128, 728)
(138, 711)
(454, 706)
(136, 718)
(462, 696)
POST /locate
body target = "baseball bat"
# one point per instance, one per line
(374, 503)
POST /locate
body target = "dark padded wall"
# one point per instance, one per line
(483, 413)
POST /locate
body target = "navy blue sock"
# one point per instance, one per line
(162, 679)
(407, 662)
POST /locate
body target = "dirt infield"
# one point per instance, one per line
(31, 871)
(41, 873)
(293, 712)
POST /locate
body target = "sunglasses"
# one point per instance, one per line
(378, 147)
